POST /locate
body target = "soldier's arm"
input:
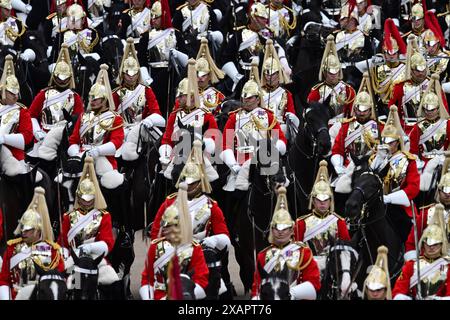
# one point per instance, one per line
(402, 284)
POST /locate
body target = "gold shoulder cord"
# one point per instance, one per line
(52, 265)
(88, 47)
(259, 126)
(346, 101)
(288, 27)
(14, 35)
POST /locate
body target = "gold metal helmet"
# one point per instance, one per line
(63, 68)
(194, 169)
(436, 231)
(88, 187)
(414, 58)
(7, 4)
(9, 81)
(281, 218)
(102, 88)
(393, 130)
(182, 87)
(130, 64)
(259, 10)
(178, 215)
(364, 100)
(322, 189)
(429, 37)
(205, 63)
(272, 64)
(417, 11)
(36, 216)
(330, 60)
(250, 89)
(156, 10)
(378, 277)
(60, 2)
(444, 183)
(432, 99)
(346, 13)
(75, 12)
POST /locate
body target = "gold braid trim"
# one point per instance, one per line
(259, 126)
(376, 83)
(306, 264)
(14, 35)
(52, 264)
(112, 128)
(346, 101)
(88, 47)
(288, 27)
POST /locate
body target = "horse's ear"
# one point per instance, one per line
(74, 256)
(38, 269)
(99, 259)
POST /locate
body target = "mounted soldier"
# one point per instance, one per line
(283, 20)
(135, 20)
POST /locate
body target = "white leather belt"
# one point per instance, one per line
(161, 64)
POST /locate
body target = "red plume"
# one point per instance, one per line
(175, 291)
(390, 30)
(422, 2)
(351, 6)
(432, 23)
(166, 19)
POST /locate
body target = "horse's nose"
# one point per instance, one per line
(351, 208)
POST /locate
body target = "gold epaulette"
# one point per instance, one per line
(338, 216)
(21, 105)
(301, 244)
(304, 217)
(104, 211)
(347, 120)
(158, 240)
(182, 6)
(410, 156)
(205, 110)
(406, 34)
(116, 88)
(54, 245)
(126, 10)
(195, 243)
(317, 85)
(268, 110)
(239, 28)
(427, 206)
(14, 241)
(234, 111)
(50, 16)
(171, 196)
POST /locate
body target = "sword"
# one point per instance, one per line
(419, 294)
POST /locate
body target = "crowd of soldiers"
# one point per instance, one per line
(382, 76)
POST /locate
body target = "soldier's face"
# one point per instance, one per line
(280, 237)
(86, 205)
(272, 80)
(362, 7)
(418, 76)
(379, 294)
(432, 49)
(98, 104)
(433, 251)
(31, 236)
(131, 80)
(332, 78)
(156, 22)
(182, 100)
(4, 13)
(431, 114)
(203, 81)
(10, 98)
(393, 146)
(362, 115)
(351, 25)
(62, 83)
(322, 206)
(260, 22)
(193, 189)
(61, 9)
(343, 23)
(444, 198)
(390, 57)
(250, 102)
(418, 24)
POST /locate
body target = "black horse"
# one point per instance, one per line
(310, 146)
(368, 213)
(51, 285)
(337, 281)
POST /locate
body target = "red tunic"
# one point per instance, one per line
(314, 96)
(308, 270)
(300, 229)
(104, 231)
(151, 104)
(403, 281)
(9, 278)
(414, 138)
(38, 104)
(115, 136)
(411, 185)
(208, 123)
(197, 265)
(25, 128)
(216, 224)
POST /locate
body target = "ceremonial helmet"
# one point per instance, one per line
(7, 4)
(393, 130)
(330, 60)
(322, 189)
(196, 169)
(160, 8)
(364, 97)
(205, 63)
(102, 88)
(444, 183)
(378, 277)
(433, 34)
(417, 11)
(88, 187)
(392, 40)
(436, 231)
(36, 216)
(259, 10)
(9, 82)
(349, 10)
(130, 64)
(281, 218)
(250, 89)
(178, 214)
(182, 87)
(414, 58)
(272, 64)
(63, 67)
(75, 12)
(432, 99)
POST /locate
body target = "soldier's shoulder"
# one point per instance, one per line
(317, 86)
(172, 195)
(104, 212)
(410, 156)
(304, 217)
(338, 216)
(235, 111)
(54, 245)
(182, 6)
(427, 206)
(21, 106)
(348, 120)
(205, 110)
(158, 240)
(51, 16)
(14, 241)
(195, 243)
(301, 244)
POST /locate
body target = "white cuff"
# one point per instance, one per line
(182, 58)
(146, 292)
(107, 149)
(294, 119)
(157, 120)
(402, 296)
(222, 241)
(145, 76)
(35, 124)
(228, 157)
(199, 292)
(410, 255)
(338, 163)
(15, 140)
(4, 293)
(165, 151)
(303, 291)
(217, 37)
(19, 5)
(218, 14)
(281, 146)
(446, 87)
(28, 55)
(73, 150)
(210, 145)
(230, 69)
(400, 198)
(99, 247)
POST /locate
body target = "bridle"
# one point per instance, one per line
(367, 200)
(54, 277)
